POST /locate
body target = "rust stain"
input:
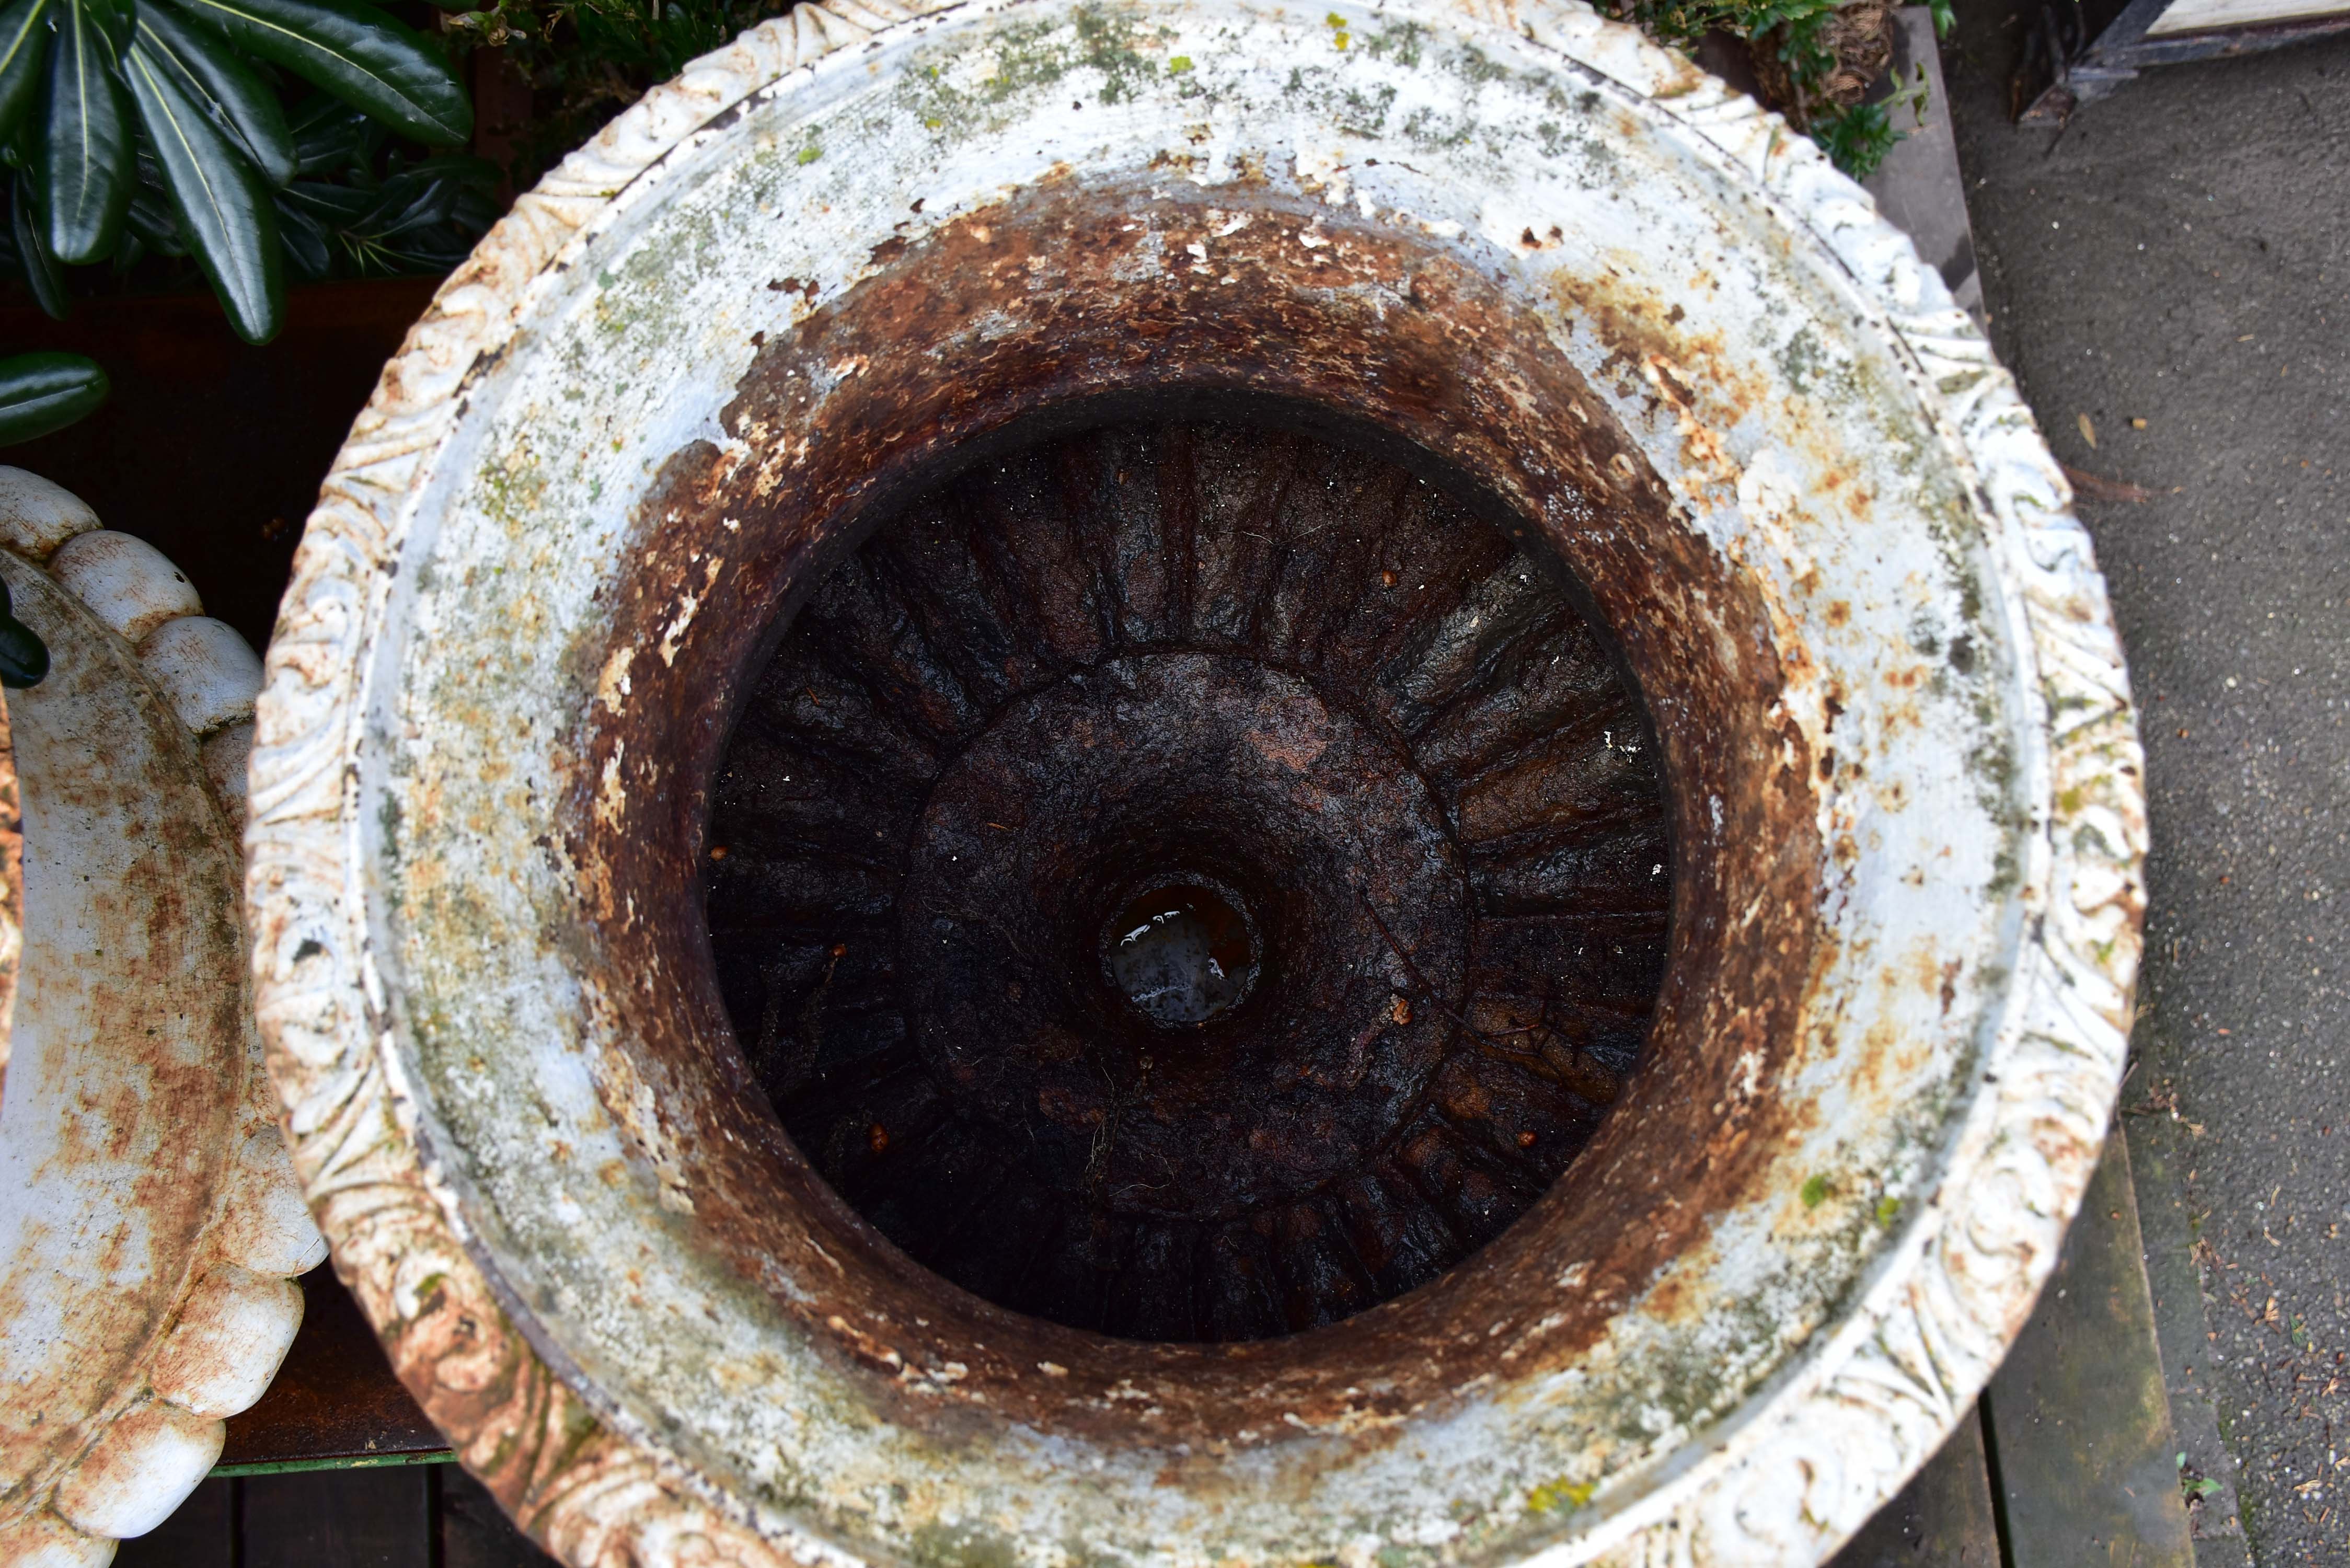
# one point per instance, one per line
(143, 1018)
(1055, 301)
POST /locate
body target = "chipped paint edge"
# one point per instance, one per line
(1910, 1356)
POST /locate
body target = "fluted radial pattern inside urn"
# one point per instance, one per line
(1189, 881)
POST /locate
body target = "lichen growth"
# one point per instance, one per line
(1552, 1496)
(1801, 359)
(1026, 55)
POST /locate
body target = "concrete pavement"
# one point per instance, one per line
(2171, 273)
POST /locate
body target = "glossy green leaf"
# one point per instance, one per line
(150, 218)
(424, 217)
(211, 74)
(336, 206)
(85, 149)
(330, 136)
(412, 200)
(24, 48)
(113, 18)
(23, 657)
(44, 393)
(41, 275)
(354, 51)
(305, 239)
(222, 201)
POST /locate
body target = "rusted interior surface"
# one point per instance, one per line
(1032, 306)
(1295, 680)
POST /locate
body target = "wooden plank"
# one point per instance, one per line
(338, 1518)
(2180, 1331)
(2078, 1422)
(2202, 15)
(201, 1534)
(335, 1399)
(1919, 187)
(1942, 1519)
(475, 1532)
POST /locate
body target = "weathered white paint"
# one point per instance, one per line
(37, 514)
(149, 1218)
(124, 581)
(204, 669)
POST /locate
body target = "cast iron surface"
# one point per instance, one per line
(1189, 658)
(1740, 1187)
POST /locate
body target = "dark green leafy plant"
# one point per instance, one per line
(1856, 137)
(355, 208)
(39, 393)
(158, 126)
(24, 657)
(1815, 60)
(46, 391)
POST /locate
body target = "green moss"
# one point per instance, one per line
(1430, 130)
(1403, 41)
(1028, 55)
(1815, 1191)
(387, 819)
(1855, 137)
(1801, 358)
(1107, 42)
(1367, 113)
(1471, 64)
(964, 1546)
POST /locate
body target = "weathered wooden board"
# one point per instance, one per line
(2078, 1420)
(2202, 15)
(346, 1519)
(475, 1533)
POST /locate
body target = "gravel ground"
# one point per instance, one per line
(2172, 273)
